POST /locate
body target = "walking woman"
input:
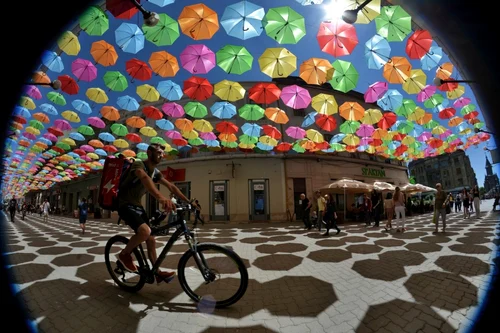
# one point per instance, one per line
(475, 195)
(330, 215)
(440, 207)
(197, 214)
(399, 207)
(376, 206)
(83, 214)
(466, 203)
(389, 210)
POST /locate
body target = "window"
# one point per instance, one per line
(456, 160)
(299, 112)
(459, 171)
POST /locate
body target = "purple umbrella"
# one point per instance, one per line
(96, 122)
(365, 130)
(198, 59)
(295, 97)
(208, 136)
(461, 102)
(33, 92)
(445, 134)
(86, 158)
(172, 134)
(41, 160)
(87, 148)
(426, 93)
(173, 109)
(375, 91)
(62, 124)
(295, 132)
(424, 136)
(30, 136)
(83, 70)
(365, 141)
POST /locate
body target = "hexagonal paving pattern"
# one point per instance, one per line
(73, 260)
(330, 255)
(277, 262)
(463, 265)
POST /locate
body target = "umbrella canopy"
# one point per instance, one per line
(284, 25)
(337, 38)
(163, 63)
(164, 33)
(243, 20)
(198, 88)
(315, 71)
(277, 62)
(94, 21)
(229, 90)
(296, 97)
(345, 77)
(129, 37)
(103, 53)
(393, 23)
(234, 59)
(198, 21)
(197, 59)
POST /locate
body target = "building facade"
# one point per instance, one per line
(453, 171)
(491, 182)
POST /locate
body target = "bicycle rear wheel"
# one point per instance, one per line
(230, 276)
(126, 280)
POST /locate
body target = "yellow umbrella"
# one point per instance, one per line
(365, 15)
(93, 156)
(316, 71)
(277, 62)
(455, 121)
(267, 140)
(325, 104)
(69, 141)
(370, 150)
(371, 116)
(69, 43)
(190, 134)
(351, 140)
(246, 145)
(351, 111)
(71, 116)
(148, 93)
(202, 125)
(32, 130)
(148, 131)
(120, 143)
(229, 90)
(97, 95)
(466, 130)
(415, 82)
(438, 130)
(27, 103)
(424, 119)
(314, 136)
(277, 115)
(456, 93)
(390, 135)
(59, 168)
(416, 114)
(408, 140)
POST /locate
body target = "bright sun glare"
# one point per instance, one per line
(334, 9)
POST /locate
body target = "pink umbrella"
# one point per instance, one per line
(445, 134)
(365, 141)
(365, 130)
(173, 109)
(31, 136)
(197, 59)
(457, 142)
(33, 92)
(375, 91)
(96, 122)
(426, 93)
(172, 134)
(41, 160)
(295, 132)
(295, 97)
(461, 102)
(83, 70)
(87, 148)
(424, 136)
(62, 124)
(86, 158)
(208, 136)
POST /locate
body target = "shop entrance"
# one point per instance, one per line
(259, 199)
(219, 195)
(299, 187)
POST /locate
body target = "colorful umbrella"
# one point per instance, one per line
(94, 21)
(129, 37)
(68, 85)
(345, 77)
(164, 64)
(96, 122)
(432, 58)
(103, 53)
(223, 110)
(391, 100)
(375, 91)
(415, 81)
(337, 38)
(148, 93)
(169, 90)
(418, 44)
(68, 42)
(138, 69)
(397, 70)
(127, 103)
(197, 59)
(284, 25)
(324, 104)
(296, 97)
(83, 70)
(234, 59)
(264, 93)
(124, 10)
(198, 88)
(196, 109)
(97, 95)
(198, 21)
(52, 61)
(251, 112)
(315, 71)
(164, 33)
(173, 110)
(276, 115)
(229, 90)
(393, 23)
(351, 111)
(243, 20)
(277, 62)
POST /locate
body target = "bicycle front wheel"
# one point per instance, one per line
(229, 276)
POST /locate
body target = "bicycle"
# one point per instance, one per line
(200, 268)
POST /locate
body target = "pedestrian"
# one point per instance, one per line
(458, 203)
(330, 215)
(367, 209)
(466, 203)
(475, 195)
(440, 203)
(376, 207)
(45, 210)
(12, 209)
(83, 208)
(399, 208)
(321, 208)
(197, 214)
(306, 211)
(496, 202)
(389, 210)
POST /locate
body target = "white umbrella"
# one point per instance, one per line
(383, 186)
(346, 184)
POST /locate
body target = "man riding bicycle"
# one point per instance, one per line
(140, 179)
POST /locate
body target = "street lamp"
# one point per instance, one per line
(351, 15)
(438, 82)
(56, 84)
(150, 18)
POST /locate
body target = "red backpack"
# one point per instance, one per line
(113, 174)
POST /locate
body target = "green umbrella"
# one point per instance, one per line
(63, 164)
(284, 25)
(229, 144)
(407, 107)
(142, 155)
(405, 127)
(467, 109)
(36, 124)
(431, 124)
(434, 101)
(115, 81)
(35, 149)
(234, 59)
(165, 32)
(94, 21)
(157, 139)
(85, 130)
(119, 129)
(251, 112)
(173, 152)
(196, 142)
(57, 98)
(21, 148)
(393, 23)
(349, 127)
(195, 109)
(298, 148)
(247, 139)
(337, 146)
(345, 77)
(39, 163)
(479, 124)
(63, 145)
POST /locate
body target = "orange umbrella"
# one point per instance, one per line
(135, 122)
(198, 21)
(128, 153)
(110, 113)
(163, 63)
(444, 71)
(42, 117)
(184, 124)
(104, 53)
(316, 71)
(228, 137)
(424, 119)
(17, 125)
(96, 143)
(277, 115)
(351, 111)
(40, 77)
(397, 70)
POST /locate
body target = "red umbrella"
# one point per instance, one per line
(152, 112)
(264, 93)
(79, 151)
(19, 120)
(198, 88)
(448, 86)
(447, 113)
(376, 142)
(138, 69)
(400, 150)
(110, 148)
(418, 44)
(68, 84)
(55, 131)
(435, 142)
(272, 131)
(326, 123)
(337, 37)
(179, 142)
(322, 145)
(226, 127)
(122, 9)
(388, 119)
(471, 115)
(398, 136)
(58, 149)
(283, 147)
(133, 137)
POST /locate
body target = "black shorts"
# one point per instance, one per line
(134, 216)
(83, 219)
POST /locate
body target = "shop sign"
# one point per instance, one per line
(219, 188)
(370, 172)
(258, 187)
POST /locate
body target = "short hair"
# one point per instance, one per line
(389, 195)
(155, 146)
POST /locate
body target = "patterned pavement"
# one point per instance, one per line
(362, 280)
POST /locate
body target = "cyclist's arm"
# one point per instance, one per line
(172, 188)
(148, 183)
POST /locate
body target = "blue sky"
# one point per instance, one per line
(306, 48)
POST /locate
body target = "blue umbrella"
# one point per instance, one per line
(162, 3)
(309, 2)
(105, 136)
(48, 108)
(21, 112)
(185, 148)
(52, 61)
(127, 103)
(165, 124)
(337, 138)
(102, 161)
(101, 152)
(391, 100)
(377, 52)
(77, 136)
(81, 106)
(432, 58)
(416, 131)
(129, 37)
(72, 154)
(212, 143)
(170, 90)
(243, 20)
(263, 146)
(223, 110)
(309, 119)
(251, 129)
(45, 140)
(142, 146)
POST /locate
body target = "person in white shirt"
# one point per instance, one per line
(45, 210)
